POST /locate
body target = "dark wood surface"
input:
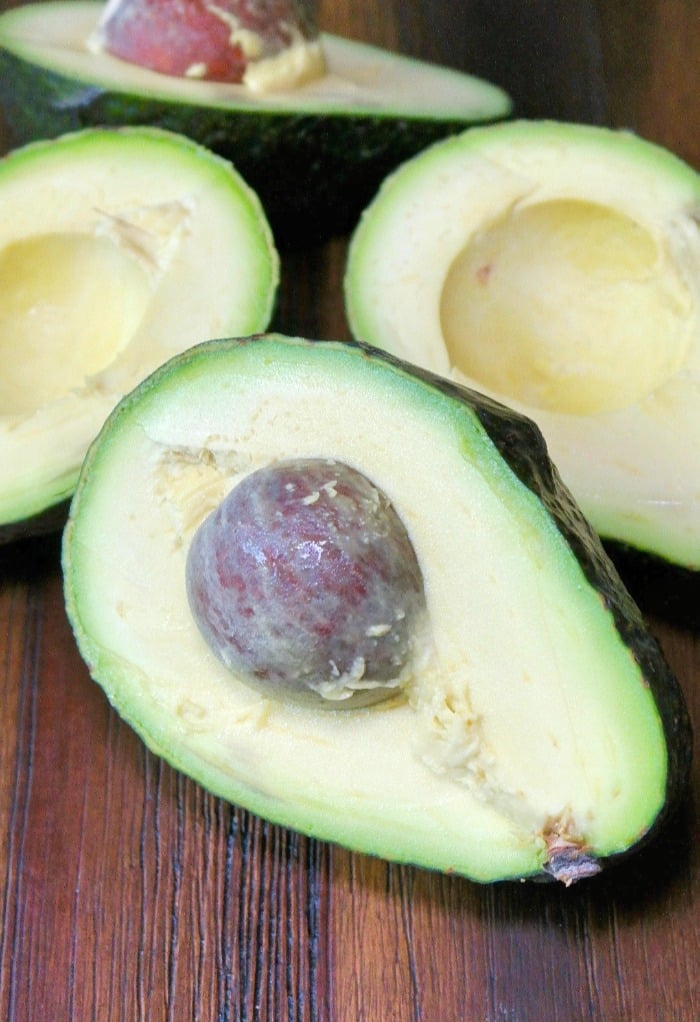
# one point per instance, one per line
(128, 894)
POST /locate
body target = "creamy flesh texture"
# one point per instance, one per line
(116, 250)
(527, 721)
(50, 345)
(557, 269)
(566, 306)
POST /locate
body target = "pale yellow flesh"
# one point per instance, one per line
(527, 714)
(49, 346)
(566, 306)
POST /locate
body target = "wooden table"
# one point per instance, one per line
(128, 893)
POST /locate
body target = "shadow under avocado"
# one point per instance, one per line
(664, 590)
(30, 560)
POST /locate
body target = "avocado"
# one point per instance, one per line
(555, 267)
(315, 154)
(118, 248)
(535, 729)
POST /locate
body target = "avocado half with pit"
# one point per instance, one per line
(556, 268)
(536, 729)
(315, 154)
(118, 248)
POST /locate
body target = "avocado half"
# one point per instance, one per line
(542, 732)
(556, 268)
(314, 154)
(118, 248)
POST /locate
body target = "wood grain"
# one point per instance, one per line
(128, 894)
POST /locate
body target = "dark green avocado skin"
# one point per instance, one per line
(523, 448)
(313, 173)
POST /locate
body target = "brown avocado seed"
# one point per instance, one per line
(304, 582)
(213, 41)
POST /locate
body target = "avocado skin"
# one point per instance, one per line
(522, 446)
(314, 173)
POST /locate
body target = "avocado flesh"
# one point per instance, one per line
(529, 717)
(315, 153)
(555, 267)
(117, 249)
(48, 346)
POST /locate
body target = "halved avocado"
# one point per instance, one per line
(539, 731)
(118, 248)
(314, 154)
(557, 268)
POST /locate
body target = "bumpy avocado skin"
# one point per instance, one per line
(314, 173)
(522, 446)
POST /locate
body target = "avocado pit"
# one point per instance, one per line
(262, 44)
(304, 582)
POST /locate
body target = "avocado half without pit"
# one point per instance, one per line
(435, 664)
(118, 248)
(556, 268)
(313, 128)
